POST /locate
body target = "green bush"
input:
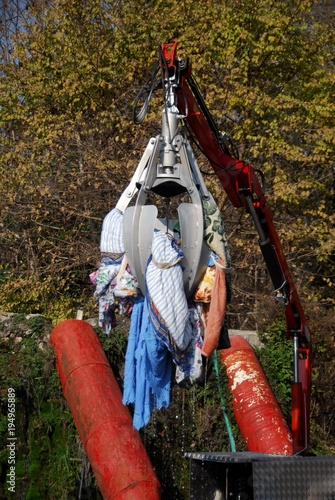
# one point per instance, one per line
(276, 358)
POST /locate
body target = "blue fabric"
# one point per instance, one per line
(148, 367)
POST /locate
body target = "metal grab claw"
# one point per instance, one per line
(141, 220)
(168, 168)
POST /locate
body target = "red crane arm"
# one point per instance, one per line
(244, 189)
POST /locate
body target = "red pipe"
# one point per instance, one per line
(256, 410)
(114, 448)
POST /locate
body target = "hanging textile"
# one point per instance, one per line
(114, 285)
(190, 370)
(111, 239)
(113, 281)
(166, 297)
(215, 237)
(148, 367)
(216, 313)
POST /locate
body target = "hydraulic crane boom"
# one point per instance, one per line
(244, 189)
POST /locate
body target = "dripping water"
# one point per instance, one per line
(205, 381)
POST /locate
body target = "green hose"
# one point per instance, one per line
(225, 416)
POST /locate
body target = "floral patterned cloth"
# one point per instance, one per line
(203, 292)
(215, 237)
(111, 287)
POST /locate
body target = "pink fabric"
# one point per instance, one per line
(216, 314)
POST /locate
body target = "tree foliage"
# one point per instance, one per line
(69, 73)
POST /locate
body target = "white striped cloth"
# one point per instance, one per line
(164, 279)
(111, 239)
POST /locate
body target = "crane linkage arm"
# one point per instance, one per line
(244, 189)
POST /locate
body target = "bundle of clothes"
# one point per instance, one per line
(170, 337)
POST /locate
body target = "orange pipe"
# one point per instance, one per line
(114, 448)
(256, 410)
